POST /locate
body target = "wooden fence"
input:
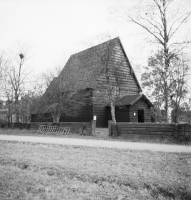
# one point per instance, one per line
(75, 127)
(151, 129)
(18, 125)
(54, 130)
(183, 130)
(84, 128)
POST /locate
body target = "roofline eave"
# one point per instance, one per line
(130, 65)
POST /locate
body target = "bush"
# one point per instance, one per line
(83, 130)
(3, 125)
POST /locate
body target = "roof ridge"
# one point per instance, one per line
(96, 45)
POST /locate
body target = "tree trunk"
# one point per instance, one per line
(56, 119)
(113, 112)
(17, 109)
(166, 59)
(166, 105)
(114, 127)
(9, 113)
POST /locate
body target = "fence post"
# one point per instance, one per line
(109, 128)
(93, 126)
(114, 133)
(176, 135)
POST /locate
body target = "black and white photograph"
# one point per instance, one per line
(95, 99)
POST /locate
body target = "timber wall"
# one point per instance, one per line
(121, 114)
(120, 75)
(183, 130)
(85, 115)
(141, 104)
(152, 129)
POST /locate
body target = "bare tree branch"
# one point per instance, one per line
(154, 19)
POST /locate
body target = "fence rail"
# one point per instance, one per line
(151, 129)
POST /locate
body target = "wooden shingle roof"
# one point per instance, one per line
(84, 68)
(132, 99)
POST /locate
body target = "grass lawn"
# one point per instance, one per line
(56, 172)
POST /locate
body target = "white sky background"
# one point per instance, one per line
(52, 30)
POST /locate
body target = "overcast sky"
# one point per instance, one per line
(52, 30)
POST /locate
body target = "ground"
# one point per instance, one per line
(97, 143)
(129, 138)
(46, 171)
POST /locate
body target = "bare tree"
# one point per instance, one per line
(179, 91)
(162, 20)
(1, 67)
(2, 72)
(61, 98)
(103, 73)
(16, 77)
(25, 105)
(66, 96)
(154, 81)
(107, 86)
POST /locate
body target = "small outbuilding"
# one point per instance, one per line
(132, 108)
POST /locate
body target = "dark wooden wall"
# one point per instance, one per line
(85, 112)
(121, 114)
(85, 115)
(141, 104)
(178, 131)
(145, 129)
(122, 76)
(45, 117)
(100, 111)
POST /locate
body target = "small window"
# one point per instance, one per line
(117, 90)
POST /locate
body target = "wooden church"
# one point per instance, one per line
(105, 71)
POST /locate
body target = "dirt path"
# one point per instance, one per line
(99, 143)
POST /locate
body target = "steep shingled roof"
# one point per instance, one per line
(84, 68)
